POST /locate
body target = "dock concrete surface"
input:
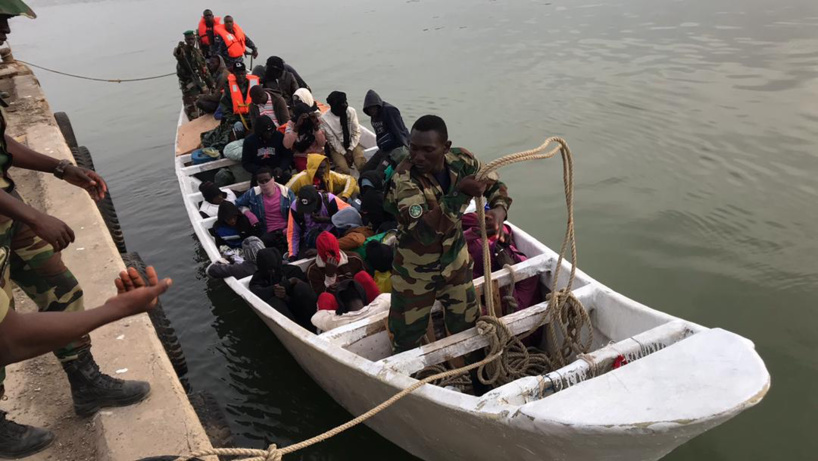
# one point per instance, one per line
(37, 391)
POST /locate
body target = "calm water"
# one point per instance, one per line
(693, 126)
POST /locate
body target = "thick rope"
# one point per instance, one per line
(106, 80)
(273, 453)
(564, 309)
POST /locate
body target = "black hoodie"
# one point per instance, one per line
(272, 271)
(390, 131)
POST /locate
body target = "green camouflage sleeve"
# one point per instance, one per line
(426, 223)
(497, 193)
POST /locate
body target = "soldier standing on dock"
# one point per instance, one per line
(194, 76)
(30, 245)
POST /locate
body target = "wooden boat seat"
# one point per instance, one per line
(462, 343)
(347, 335)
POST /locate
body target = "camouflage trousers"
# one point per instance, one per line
(412, 300)
(189, 98)
(35, 268)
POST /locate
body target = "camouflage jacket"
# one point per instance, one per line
(191, 68)
(430, 235)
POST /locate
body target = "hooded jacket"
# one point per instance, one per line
(270, 272)
(342, 185)
(390, 131)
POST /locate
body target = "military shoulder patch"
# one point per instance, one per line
(415, 211)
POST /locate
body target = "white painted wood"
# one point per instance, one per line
(641, 411)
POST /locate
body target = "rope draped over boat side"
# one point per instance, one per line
(507, 359)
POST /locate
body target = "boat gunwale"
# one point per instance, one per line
(376, 369)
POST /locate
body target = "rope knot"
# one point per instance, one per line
(273, 454)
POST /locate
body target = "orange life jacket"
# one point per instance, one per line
(241, 103)
(203, 37)
(234, 42)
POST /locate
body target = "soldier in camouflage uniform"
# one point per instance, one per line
(430, 191)
(30, 245)
(194, 76)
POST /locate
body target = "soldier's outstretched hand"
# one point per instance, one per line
(132, 288)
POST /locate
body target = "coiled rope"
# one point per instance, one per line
(507, 359)
(106, 80)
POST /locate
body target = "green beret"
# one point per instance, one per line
(189, 32)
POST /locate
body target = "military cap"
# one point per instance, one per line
(16, 8)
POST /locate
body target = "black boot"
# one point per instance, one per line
(19, 441)
(93, 390)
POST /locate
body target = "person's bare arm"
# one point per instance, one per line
(23, 336)
(48, 228)
(29, 159)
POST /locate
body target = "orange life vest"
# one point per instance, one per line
(241, 103)
(203, 37)
(234, 42)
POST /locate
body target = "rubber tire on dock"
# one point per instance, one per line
(67, 130)
(164, 330)
(82, 156)
(212, 417)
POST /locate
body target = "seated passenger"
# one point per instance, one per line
(340, 125)
(284, 287)
(246, 267)
(278, 79)
(319, 175)
(270, 104)
(379, 258)
(373, 214)
(231, 226)
(310, 215)
(304, 135)
(264, 148)
(344, 309)
(391, 134)
(332, 266)
(503, 251)
(213, 197)
(235, 102)
(208, 103)
(352, 230)
(269, 202)
(303, 95)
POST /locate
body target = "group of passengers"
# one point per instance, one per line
(303, 200)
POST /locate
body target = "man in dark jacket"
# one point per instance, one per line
(278, 79)
(391, 134)
(264, 148)
(284, 287)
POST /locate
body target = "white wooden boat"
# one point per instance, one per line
(681, 380)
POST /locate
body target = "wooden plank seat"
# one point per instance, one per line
(348, 334)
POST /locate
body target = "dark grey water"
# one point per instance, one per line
(693, 124)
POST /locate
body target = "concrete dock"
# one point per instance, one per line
(37, 391)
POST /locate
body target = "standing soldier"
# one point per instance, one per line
(231, 43)
(206, 32)
(194, 76)
(430, 191)
(30, 245)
